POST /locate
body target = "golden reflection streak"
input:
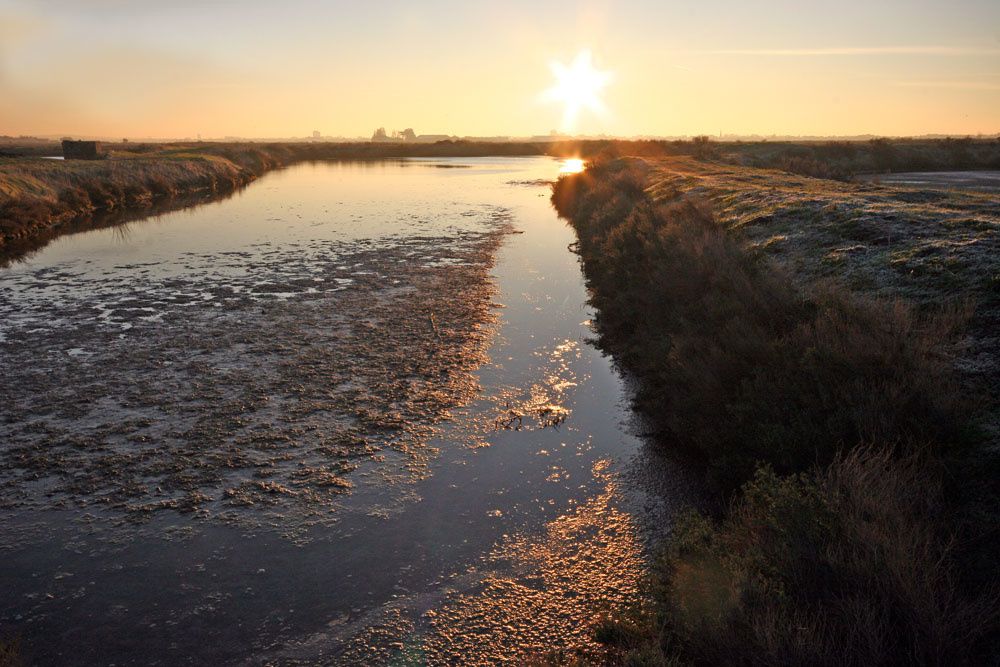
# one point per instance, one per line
(587, 562)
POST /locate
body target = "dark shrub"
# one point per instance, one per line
(849, 566)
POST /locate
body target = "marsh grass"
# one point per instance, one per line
(10, 653)
(36, 193)
(820, 416)
(853, 564)
(736, 364)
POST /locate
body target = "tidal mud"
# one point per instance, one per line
(281, 380)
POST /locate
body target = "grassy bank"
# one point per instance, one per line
(37, 195)
(831, 423)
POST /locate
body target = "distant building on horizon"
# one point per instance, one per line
(82, 150)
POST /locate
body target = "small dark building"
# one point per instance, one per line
(82, 150)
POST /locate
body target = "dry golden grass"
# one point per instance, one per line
(36, 193)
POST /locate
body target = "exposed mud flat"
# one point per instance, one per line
(534, 594)
(343, 418)
(282, 380)
(529, 594)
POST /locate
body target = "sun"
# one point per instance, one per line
(578, 86)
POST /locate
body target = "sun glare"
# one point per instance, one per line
(578, 86)
(571, 165)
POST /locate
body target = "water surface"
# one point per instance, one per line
(349, 415)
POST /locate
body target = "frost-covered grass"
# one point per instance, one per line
(773, 333)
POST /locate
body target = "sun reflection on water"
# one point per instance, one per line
(548, 589)
(572, 166)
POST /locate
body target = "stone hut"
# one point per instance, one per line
(82, 150)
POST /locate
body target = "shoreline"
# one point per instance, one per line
(38, 195)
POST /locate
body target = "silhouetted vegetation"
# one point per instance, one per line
(822, 415)
(854, 564)
(10, 653)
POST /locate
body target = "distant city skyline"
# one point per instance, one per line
(255, 69)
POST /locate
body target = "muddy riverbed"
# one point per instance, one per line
(349, 415)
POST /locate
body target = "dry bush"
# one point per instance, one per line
(10, 653)
(852, 565)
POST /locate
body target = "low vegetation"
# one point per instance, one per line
(10, 653)
(826, 420)
(851, 565)
(735, 363)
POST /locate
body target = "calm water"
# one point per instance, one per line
(350, 415)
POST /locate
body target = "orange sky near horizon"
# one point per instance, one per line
(258, 69)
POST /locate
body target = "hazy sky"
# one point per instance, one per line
(284, 68)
